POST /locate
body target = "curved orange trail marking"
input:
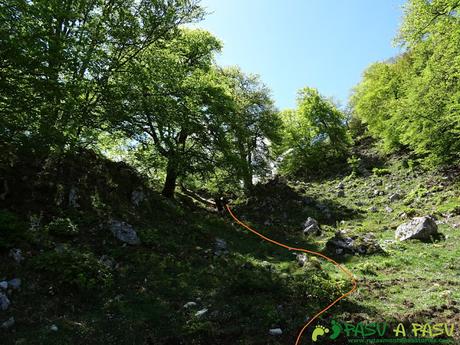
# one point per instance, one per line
(343, 269)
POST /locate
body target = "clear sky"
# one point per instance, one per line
(294, 43)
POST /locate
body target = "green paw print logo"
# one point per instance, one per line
(319, 331)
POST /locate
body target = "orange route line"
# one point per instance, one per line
(342, 268)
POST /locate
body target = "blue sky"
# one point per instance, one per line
(294, 43)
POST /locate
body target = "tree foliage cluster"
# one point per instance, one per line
(129, 77)
(75, 72)
(314, 135)
(413, 100)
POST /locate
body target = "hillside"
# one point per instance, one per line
(196, 277)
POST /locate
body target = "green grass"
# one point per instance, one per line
(256, 286)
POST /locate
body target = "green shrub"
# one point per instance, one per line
(415, 194)
(62, 227)
(451, 205)
(12, 229)
(354, 162)
(71, 268)
(409, 211)
(381, 171)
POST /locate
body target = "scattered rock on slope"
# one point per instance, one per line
(124, 232)
(311, 227)
(394, 197)
(220, 247)
(275, 331)
(8, 323)
(421, 228)
(137, 196)
(301, 259)
(4, 302)
(73, 197)
(341, 244)
(16, 254)
(15, 283)
(189, 305)
(201, 312)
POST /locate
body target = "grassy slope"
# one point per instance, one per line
(255, 287)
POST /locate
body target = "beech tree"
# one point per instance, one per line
(254, 125)
(172, 100)
(314, 134)
(57, 56)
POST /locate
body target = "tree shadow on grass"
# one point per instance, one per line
(277, 203)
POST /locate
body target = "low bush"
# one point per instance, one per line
(71, 268)
(62, 227)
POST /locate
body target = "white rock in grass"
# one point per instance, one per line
(302, 259)
(388, 209)
(54, 328)
(394, 197)
(275, 331)
(189, 305)
(201, 312)
(311, 227)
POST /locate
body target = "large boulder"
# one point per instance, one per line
(124, 232)
(421, 228)
(311, 227)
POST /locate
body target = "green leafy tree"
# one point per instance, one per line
(413, 101)
(313, 133)
(375, 101)
(56, 58)
(254, 124)
(171, 99)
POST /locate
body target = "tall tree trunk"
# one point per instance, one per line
(247, 179)
(169, 186)
(172, 170)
